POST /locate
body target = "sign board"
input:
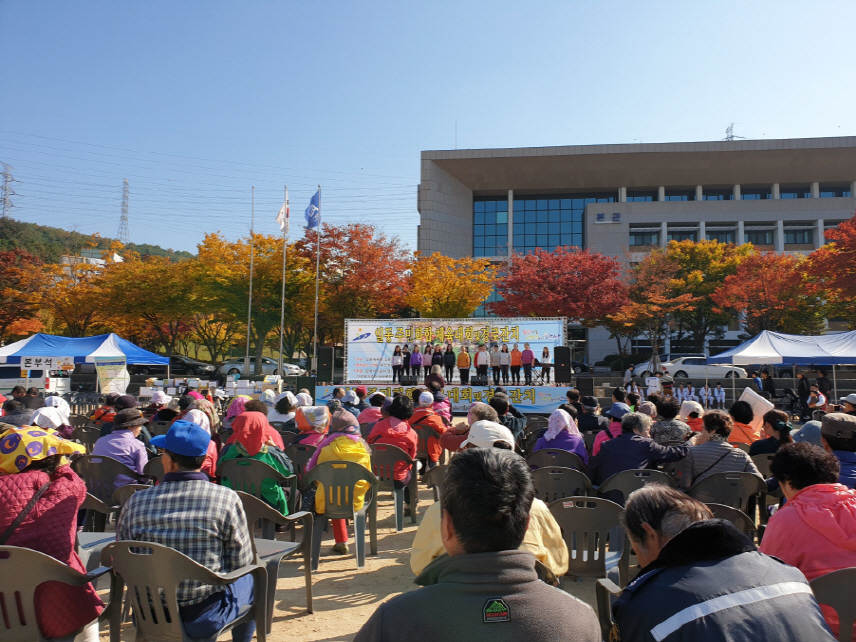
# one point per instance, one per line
(112, 374)
(369, 343)
(527, 399)
(47, 363)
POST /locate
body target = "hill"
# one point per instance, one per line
(50, 243)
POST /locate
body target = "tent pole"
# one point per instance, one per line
(733, 382)
(834, 383)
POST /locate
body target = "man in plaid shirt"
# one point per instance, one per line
(202, 520)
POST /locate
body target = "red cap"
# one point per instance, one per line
(361, 391)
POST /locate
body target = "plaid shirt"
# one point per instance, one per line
(202, 520)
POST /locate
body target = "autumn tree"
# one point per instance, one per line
(445, 288)
(702, 268)
(21, 281)
(773, 293)
(363, 274)
(833, 269)
(217, 332)
(652, 300)
(582, 285)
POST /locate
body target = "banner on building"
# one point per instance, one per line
(112, 374)
(370, 343)
(527, 399)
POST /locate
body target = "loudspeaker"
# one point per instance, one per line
(325, 363)
(586, 386)
(562, 364)
(408, 380)
(478, 381)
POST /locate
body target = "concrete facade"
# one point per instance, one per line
(451, 179)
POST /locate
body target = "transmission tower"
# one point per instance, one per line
(124, 233)
(729, 133)
(8, 192)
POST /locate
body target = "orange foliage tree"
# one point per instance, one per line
(21, 281)
(833, 268)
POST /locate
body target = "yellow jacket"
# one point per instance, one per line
(463, 359)
(344, 449)
(543, 539)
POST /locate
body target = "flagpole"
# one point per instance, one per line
(317, 270)
(250, 306)
(282, 311)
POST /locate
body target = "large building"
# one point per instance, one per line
(624, 200)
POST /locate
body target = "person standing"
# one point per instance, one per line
(504, 363)
(405, 360)
(449, 362)
(482, 360)
(527, 358)
(515, 366)
(823, 383)
(628, 376)
(415, 362)
(545, 369)
(803, 392)
(494, 364)
(464, 366)
(397, 363)
(768, 384)
(427, 357)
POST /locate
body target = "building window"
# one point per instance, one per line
(640, 238)
(680, 195)
(759, 237)
(492, 298)
(723, 236)
(835, 191)
(490, 227)
(799, 237)
(641, 196)
(548, 222)
(794, 192)
(718, 195)
(683, 235)
(752, 194)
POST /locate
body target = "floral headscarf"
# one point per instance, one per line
(206, 407)
(61, 405)
(237, 406)
(559, 421)
(199, 418)
(312, 418)
(303, 399)
(48, 417)
(268, 398)
(344, 429)
(19, 447)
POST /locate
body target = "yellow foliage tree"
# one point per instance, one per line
(73, 297)
(443, 287)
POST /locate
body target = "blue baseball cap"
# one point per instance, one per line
(184, 438)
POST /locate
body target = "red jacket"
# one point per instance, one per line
(395, 432)
(427, 418)
(50, 528)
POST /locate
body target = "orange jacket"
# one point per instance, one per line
(743, 433)
(427, 418)
(515, 357)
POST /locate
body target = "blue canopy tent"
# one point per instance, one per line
(774, 347)
(79, 350)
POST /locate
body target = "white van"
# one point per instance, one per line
(47, 381)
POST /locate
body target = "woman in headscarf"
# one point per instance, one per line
(267, 397)
(55, 401)
(562, 433)
(313, 423)
(282, 411)
(167, 408)
(201, 412)
(372, 414)
(235, 408)
(194, 394)
(251, 441)
(395, 430)
(32, 459)
(53, 419)
(691, 414)
(304, 399)
(158, 402)
(344, 443)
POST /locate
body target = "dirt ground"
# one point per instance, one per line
(344, 597)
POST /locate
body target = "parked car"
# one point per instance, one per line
(47, 381)
(269, 366)
(579, 367)
(693, 367)
(179, 365)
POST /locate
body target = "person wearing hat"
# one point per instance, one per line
(167, 408)
(313, 423)
(838, 437)
(424, 416)
(631, 449)
(456, 435)
(372, 414)
(809, 433)
(120, 403)
(614, 414)
(202, 520)
(122, 444)
(33, 467)
(395, 430)
(590, 419)
(105, 412)
(543, 536)
(158, 402)
(849, 404)
(361, 392)
(284, 406)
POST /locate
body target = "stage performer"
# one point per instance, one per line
(526, 360)
(415, 362)
(397, 361)
(464, 365)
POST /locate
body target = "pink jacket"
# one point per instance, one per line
(444, 409)
(816, 532)
(614, 430)
(527, 356)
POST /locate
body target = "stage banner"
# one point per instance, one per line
(528, 400)
(369, 343)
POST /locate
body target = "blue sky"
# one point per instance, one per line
(196, 102)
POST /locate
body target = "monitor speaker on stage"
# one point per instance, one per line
(409, 380)
(478, 381)
(325, 363)
(562, 368)
(586, 386)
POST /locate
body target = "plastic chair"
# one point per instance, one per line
(425, 435)
(605, 592)
(384, 458)
(287, 437)
(78, 421)
(339, 479)
(588, 440)
(99, 474)
(731, 489)
(535, 423)
(555, 457)
(366, 428)
(123, 493)
(155, 570)
(740, 519)
(299, 454)
(249, 475)
(588, 524)
(270, 552)
(96, 514)
(159, 427)
(554, 482)
(835, 589)
(154, 468)
(762, 463)
(86, 436)
(277, 425)
(618, 487)
(22, 570)
(546, 575)
(434, 479)
(741, 446)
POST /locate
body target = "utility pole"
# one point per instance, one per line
(7, 190)
(124, 233)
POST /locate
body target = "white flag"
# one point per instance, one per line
(282, 217)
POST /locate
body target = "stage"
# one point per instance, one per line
(527, 399)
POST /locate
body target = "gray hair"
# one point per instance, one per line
(635, 422)
(667, 510)
(436, 370)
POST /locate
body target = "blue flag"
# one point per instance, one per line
(313, 212)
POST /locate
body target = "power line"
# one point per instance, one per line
(124, 233)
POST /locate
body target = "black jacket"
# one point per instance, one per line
(450, 359)
(742, 593)
(590, 422)
(630, 451)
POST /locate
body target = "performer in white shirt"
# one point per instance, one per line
(719, 395)
(690, 393)
(705, 396)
